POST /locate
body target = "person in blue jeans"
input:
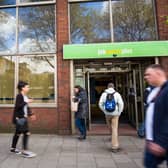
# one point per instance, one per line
(156, 148)
(82, 112)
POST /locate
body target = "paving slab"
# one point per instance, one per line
(55, 151)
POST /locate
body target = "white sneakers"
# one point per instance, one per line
(26, 154)
(16, 151)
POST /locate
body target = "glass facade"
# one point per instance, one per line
(23, 1)
(7, 2)
(8, 30)
(90, 22)
(37, 29)
(112, 20)
(7, 75)
(27, 50)
(39, 72)
(133, 20)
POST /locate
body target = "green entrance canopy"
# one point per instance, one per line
(116, 50)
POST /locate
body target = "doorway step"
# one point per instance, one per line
(102, 129)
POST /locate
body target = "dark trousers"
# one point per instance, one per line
(81, 125)
(24, 140)
(152, 161)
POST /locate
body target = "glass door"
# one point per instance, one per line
(87, 87)
(132, 98)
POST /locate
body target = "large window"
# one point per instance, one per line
(8, 30)
(90, 22)
(112, 20)
(39, 72)
(28, 49)
(7, 2)
(37, 29)
(7, 69)
(133, 20)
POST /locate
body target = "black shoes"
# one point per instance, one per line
(116, 150)
(14, 150)
(82, 137)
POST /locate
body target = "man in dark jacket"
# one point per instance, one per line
(82, 113)
(157, 118)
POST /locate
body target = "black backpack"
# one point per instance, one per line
(110, 103)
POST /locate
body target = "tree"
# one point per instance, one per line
(88, 23)
(133, 21)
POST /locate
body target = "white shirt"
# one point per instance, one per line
(26, 106)
(150, 113)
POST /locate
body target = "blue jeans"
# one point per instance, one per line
(81, 125)
(152, 161)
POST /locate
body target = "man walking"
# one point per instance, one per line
(156, 118)
(112, 105)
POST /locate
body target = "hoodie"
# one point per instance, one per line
(118, 99)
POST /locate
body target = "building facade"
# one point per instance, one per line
(33, 34)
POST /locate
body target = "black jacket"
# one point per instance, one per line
(19, 108)
(160, 120)
(83, 110)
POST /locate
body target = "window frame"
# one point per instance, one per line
(17, 54)
(16, 79)
(110, 17)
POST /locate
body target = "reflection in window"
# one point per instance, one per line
(37, 29)
(7, 80)
(7, 30)
(90, 22)
(38, 71)
(34, 0)
(133, 20)
(7, 2)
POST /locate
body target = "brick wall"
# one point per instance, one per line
(162, 12)
(63, 69)
(47, 120)
(52, 120)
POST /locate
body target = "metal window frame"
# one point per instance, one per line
(18, 3)
(111, 16)
(17, 55)
(16, 79)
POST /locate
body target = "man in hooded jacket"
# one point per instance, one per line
(112, 118)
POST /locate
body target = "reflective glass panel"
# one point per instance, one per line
(37, 29)
(7, 30)
(38, 71)
(90, 22)
(34, 0)
(7, 2)
(133, 20)
(7, 71)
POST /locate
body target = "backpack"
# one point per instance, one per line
(110, 103)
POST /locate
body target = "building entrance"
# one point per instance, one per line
(128, 80)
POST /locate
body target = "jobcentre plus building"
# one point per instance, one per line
(56, 44)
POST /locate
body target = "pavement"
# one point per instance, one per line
(54, 151)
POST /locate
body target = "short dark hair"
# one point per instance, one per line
(110, 85)
(156, 66)
(21, 85)
(78, 87)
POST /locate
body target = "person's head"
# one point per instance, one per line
(110, 85)
(155, 75)
(77, 89)
(23, 87)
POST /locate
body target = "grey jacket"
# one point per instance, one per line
(83, 110)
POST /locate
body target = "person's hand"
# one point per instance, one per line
(33, 117)
(30, 100)
(156, 149)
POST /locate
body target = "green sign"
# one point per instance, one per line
(116, 50)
